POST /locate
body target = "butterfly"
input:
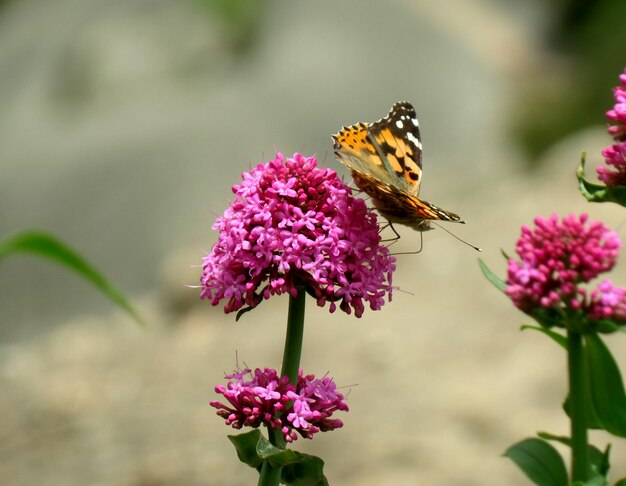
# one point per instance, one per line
(385, 159)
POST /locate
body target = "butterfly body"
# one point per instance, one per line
(385, 160)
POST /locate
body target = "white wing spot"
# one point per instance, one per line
(399, 124)
(415, 122)
(414, 139)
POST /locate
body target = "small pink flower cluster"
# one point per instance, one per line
(293, 223)
(264, 398)
(556, 257)
(607, 302)
(615, 155)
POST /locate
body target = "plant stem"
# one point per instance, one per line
(295, 335)
(270, 475)
(578, 420)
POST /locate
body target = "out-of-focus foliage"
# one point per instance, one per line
(591, 40)
(239, 20)
(47, 246)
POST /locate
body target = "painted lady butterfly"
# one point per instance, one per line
(385, 159)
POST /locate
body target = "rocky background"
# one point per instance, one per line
(123, 126)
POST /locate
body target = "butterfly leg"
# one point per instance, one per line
(392, 240)
(411, 252)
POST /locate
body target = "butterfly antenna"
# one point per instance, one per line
(455, 236)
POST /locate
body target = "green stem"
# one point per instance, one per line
(270, 475)
(295, 335)
(578, 421)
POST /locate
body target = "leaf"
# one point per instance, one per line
(547, 317)
(591, 419)
(297, 469)
(594, 192)
(621, 482)
(555, 336)
(541, 462)
(596, 481)
(599, 460)
(47, 246)
(307, 472)
(245, 445)
(241, 312)
(492, 277)
(607, 326)
(604, 465)
(606, 385)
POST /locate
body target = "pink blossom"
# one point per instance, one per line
(556, 257)
(615, 156)
(618, 113)
(293, 223)
(264, 398)
(608, 302)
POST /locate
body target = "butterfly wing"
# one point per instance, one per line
(388, 150)
(385, 159)
(396, 139)
(355, 150)
(399, 207)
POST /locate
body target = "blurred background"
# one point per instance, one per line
(123, 126)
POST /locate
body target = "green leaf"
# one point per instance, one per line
(599, 460)
(547, 317)
(606, 385)
(47, 246)
(607, 326)
(605, 464)
(541, 462)
(591, 418)
(245, 445)
(594, 192)
(492, 277)
(596, 481)
(621, 482)
(555, 336)
(297, 469)
(241, 312)
(307, 472)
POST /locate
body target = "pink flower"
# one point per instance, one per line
(264, 398)
(556, 257)
(294, 223)
(618, 113)
(615, 156)
(608, 302)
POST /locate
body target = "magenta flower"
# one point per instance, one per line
(618, 114)
(556, 257)
(293, 223)
(615, 155)
(608, 302)
(264, 398)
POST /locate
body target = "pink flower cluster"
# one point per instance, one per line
(264, 398)
(615, 155)
(293, 223)
(556, 257)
